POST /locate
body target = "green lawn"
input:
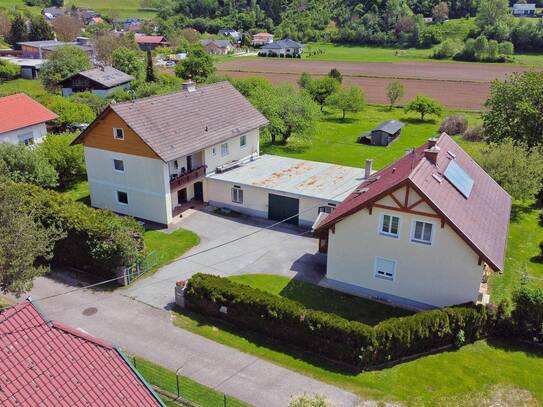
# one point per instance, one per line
(323, 299)
(169, 246)
(189, 389)
(32, 88)
(78, 191)
(335, 140)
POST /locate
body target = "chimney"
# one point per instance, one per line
(432, 153)
(432, 142)
(189, 86)
(367, 171)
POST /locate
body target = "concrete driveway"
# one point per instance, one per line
(283, 250)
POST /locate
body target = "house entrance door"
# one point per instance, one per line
(182, 196)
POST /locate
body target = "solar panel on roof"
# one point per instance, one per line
(459, 178)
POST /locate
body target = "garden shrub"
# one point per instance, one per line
(328, 334)
(97, 241)
(476, 133)
(527, 316)
(454, 125)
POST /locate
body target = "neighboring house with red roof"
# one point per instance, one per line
(421, 232)
(262, 39)
(46, 363)
(150, 42)
(23, 120)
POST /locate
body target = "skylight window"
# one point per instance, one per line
(459, 178)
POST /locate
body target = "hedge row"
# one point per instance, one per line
(527, 317)
(329, 335)
(96, 240)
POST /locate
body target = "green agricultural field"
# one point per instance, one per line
(117, 8)
(32, 88)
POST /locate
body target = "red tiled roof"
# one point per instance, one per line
(49, 364)
(18, 111)
(150, 39)
(482, 219)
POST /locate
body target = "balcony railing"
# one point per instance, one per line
(182, 180)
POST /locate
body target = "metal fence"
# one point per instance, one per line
(181, 388)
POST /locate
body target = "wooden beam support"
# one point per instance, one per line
(406, 200)
(416, 203)
(396, 200)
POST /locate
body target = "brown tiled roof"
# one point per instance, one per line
(482, 219)
(182, 123)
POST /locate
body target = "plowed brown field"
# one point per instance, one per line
(463, 86)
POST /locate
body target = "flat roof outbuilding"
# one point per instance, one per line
(293, 176)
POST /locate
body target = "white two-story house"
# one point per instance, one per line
(421, 232)
(148, 157)
(152, 158)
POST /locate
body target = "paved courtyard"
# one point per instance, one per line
(284, 249)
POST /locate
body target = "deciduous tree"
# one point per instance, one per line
(491, 12)
(321, 89)
(347, 100)
(67, 27)
(515, 109)
(149, 71)
(24, 241)
(128, 61)
(40, 30)
(67, 160)
(395, 92)
(424, 105)
(63, 62)
(440, 12)
(18, 31)
(22, 164)
(197, 66)
(517, 169)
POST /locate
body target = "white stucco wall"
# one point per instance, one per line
(38, 131)
(255, 200)
(443, 273)
(235, 151)
(145, 180)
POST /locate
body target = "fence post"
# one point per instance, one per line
(224, 395)
(134, 360)
(177, 382)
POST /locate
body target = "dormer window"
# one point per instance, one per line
(118, 134)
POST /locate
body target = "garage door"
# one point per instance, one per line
(282, 207)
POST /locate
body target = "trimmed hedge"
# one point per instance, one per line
(329, 335)
(97, 241)
(527, 316)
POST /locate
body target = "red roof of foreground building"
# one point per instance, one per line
(481, 219)
(150, 39)
(19, 111)
(45, 363)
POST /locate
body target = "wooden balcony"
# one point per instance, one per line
(181, 181)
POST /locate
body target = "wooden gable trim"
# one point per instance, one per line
(416, 203)
(406, 200)
(405, 210)
(396, 200)
(132, 145)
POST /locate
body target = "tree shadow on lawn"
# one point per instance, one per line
(518, 210)
(262, 341)
(339, 120)
(531, 350)
(412, 120)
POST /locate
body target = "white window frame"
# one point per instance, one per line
(243, 141)
(115, 169)
(237, 195)
(382, 222)
(224, 150)
(117, 198)
(420, 241)
(214, 151)
(381, 276)
(115, 133)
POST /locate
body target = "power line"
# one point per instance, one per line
(197, 253)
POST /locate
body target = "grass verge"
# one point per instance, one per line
(190, 390)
